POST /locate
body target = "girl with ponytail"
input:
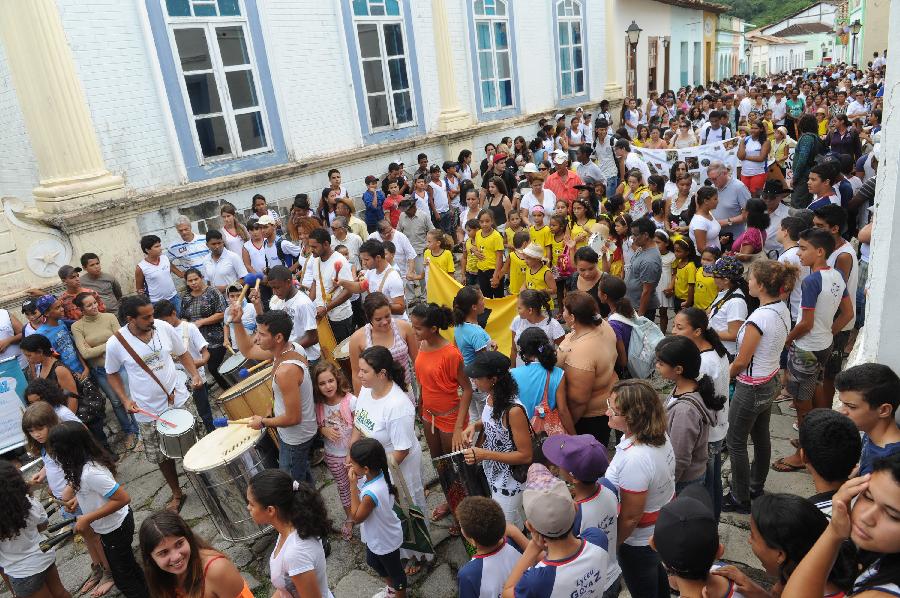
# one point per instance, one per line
(689, 410)
(470, 336)
(372, 506)
(440, 372)
(692, 323)
(532, 305)
(297, 512)
(542, 388)
(383, 412)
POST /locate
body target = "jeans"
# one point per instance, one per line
(748, 416)
(99, 434)
(201, 401)
(294, 459)
(679, 486)
(126, 572)
(611, 184)
(614, 590)
(126, 420)
(176, 301)
(714, 475)
(216, 356)
(643, 572)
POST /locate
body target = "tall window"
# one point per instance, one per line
(219, 77)
(384, 63)
(493, 51)
(698, 62)
(571, 47)
(652, 44)
(684, 64)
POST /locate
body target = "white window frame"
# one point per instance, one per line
(380, 21)
(491, 20)
(219, 71)
(569, 21)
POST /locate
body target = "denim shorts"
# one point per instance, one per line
(70, 516)
(805, 369)
(27, 586)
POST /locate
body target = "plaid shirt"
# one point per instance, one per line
(203, 306)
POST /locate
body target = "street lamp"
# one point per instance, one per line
(855, 28)
(634, 33)
(748, 48)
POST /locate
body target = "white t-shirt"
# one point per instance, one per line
(392, 287)
(390, 420)
(822, 291)
(602, 512)
(224, 271)
(298, 556)
(7, 331)
(639, 468)
(790, 256)
(529, 201)
(248, 321)
(56, 478)
(194, 342)
(439, 196)
(733, 310)
(329, 269)
(852, 281)
(352, 242)
(258, 256)
(752, 148)
(716, 367)
(303, 314)
(158, 278)
(550, 326)
(381, 532)
(233, 243)
(21, 556)
(157, 354)
(712, 228)
(775, 218)
(97, 485)
(405, 251)
(773, 322)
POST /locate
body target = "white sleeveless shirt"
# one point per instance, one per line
(307, 428)
(158, 278)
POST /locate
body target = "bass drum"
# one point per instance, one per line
(220, 467)
(230, 368)
(251, 396)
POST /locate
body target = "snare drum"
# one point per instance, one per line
(220, 467)
(176, 442)
(342, 356)
(230, 367)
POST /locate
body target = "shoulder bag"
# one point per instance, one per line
(170, 394)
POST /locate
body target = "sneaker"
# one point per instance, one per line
(385, 593)
(731, 505)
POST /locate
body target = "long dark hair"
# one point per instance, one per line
(433, 315)
(681, 351)
(757, 214)
(374, 301)
(698, 320)
(535, 299)
(14, 498)
(466, 298)
(157, 527)
(380, 359)
(73, 447)
(793, 525)
(368, 452)
(504, 395)
(297, 502)
(48, 391)
(535, 345)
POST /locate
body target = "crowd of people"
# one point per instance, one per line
(736, 291)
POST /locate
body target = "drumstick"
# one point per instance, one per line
(240, 299)
(259, 365)
(221, 422)
(157, 418)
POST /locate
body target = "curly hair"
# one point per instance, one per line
(777, 279)
(300, 504)
(343, 385)
(14, 498)
(73, 447)
(639, 405)
(47, 391)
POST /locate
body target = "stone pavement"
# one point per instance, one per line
(349, 576)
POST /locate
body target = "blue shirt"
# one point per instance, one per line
(531, 379)
(62, 342)
(871, 452)
(372, 215)
(470, 339)
(486, 574)
(583, 574)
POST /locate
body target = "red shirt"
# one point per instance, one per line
(392, 208)
(564, 189)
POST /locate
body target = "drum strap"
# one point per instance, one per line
(170, 394)
(326, 296)
(384, 279)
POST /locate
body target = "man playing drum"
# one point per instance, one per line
(152, 346)
(294, 415)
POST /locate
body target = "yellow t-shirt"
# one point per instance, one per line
(517, 269)
(557, 247)
(542, 237)
(489, 246)
(536, 281)
(578, 229)
(770, 130)
(471, 260)
(684, 277)
(705, 290)
(442, 261)
(823, 127)
(509, 234)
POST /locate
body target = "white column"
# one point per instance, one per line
(452, 115)
(53, 104)
(882, 329)
(614, 40)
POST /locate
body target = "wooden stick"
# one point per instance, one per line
(239, 422)
(259, 365)
(157, 418)
(240, 299)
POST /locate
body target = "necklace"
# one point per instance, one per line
(578, 336)
(150, 342)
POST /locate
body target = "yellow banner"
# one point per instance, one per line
(442, 289)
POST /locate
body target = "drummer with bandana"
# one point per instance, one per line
(157, 345)
(294, 416)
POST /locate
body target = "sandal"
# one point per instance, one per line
(347, 530)
(795, 442)
(105, 585)
(175, 503)
(454, 530)
(130, 442)
(785, 467)
(412, 567)
(93, 579)
(440, 511)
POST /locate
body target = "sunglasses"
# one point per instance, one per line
(543, 168)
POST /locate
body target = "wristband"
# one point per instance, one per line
(364, 286)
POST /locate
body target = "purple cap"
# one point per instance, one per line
(583, 455)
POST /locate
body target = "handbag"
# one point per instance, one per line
(91, 401)
(412, 519)
(520, 472)
(170, 394)
(564, 266)
(546, 420)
